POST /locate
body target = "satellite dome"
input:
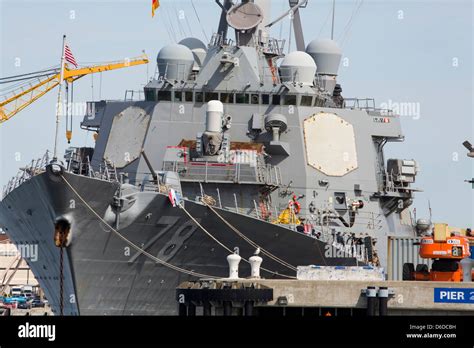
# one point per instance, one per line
(298, 67)
(423, 225)
(175, 62)
(198, 48)
(193, 43)
(327, 55)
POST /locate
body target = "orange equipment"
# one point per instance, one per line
(456, 247)
(446, 250)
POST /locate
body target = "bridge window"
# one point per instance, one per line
(255, 99)
(318, 101)
(289, 100)
(276, 100)
(178, 96)
(150, 95)
(306, 100)
(227, 98)
(199, 98)
(211, 96)
(188, 96)
(265, 99)
(164, 96)
(242, 98)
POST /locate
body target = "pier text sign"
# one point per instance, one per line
(452, 295)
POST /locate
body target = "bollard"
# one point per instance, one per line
(255, 262)
(371, 295)
(383, 301)
(234, 260)
(466, 265)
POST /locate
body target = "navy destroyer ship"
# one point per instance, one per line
(235, 145)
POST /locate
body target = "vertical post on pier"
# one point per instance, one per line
(371, 295)
(383, 300)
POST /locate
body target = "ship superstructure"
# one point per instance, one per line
(253, 144)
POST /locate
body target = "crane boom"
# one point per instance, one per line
(11, 106)
(24, 97)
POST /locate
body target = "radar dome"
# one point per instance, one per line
(175, 62)
(192, 43)
(198, 48)
(298, 67)
(327, 55)
(423, 225)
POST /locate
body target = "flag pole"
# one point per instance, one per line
(58, 105)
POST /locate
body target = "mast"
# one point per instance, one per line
(59, 106)
(295, 5)
(333, 12)
(266, 7)
(297, 26)
(223, 25)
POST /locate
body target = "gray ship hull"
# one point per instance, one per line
(103, 275)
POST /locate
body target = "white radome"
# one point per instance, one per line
(298, 67)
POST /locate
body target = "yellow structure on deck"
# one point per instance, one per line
(287, 217)
(24, 97)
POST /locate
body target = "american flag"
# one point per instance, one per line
(69, 57)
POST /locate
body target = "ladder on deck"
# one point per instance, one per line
(110, 170)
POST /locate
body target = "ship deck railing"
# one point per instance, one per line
(365, 220)
(26, 173)
(367, 104)
(320, 231)
(75, 164)
(323, 231)
(131, 95)
(391, 183)
(236, 173)
(171, 72)
(272, 46)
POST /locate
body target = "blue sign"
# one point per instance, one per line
(452, 295)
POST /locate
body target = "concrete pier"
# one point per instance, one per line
(404, 297)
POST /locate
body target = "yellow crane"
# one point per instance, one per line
(22, 97)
